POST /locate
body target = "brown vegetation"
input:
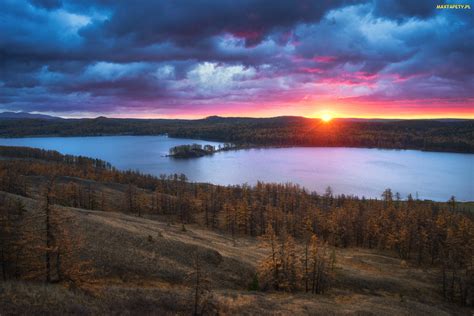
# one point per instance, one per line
(135, 243)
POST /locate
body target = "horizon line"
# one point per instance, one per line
(196, 117)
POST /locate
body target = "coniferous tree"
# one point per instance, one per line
(269, 267)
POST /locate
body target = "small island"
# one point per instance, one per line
(197, 150)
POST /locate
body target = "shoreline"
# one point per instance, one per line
(242, 147)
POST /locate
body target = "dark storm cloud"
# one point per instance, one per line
(189, 21)
(100, 55)
(125, 30)
(401, 9)
(47, 4)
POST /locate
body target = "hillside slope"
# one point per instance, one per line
(142, 266)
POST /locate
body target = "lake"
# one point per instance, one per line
(357, 171)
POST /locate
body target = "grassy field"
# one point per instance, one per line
(143, 266)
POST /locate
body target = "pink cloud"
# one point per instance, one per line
(311, 70)
(324, 59)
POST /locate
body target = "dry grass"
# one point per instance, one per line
(142, 267)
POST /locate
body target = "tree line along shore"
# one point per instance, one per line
(429, 135)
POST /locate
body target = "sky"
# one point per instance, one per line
(192, 59)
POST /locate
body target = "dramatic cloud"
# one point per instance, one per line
(250, 57)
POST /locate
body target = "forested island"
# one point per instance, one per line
(430, 135)
(79, 236)
(197, 150)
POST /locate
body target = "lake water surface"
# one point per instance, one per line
(358, 171)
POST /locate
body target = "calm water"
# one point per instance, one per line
(363, 172)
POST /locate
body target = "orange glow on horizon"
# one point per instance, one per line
(308, 108)
(194, 116)
(326, 117)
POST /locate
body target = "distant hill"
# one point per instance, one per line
(26, 115)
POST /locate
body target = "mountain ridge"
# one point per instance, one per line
(26, 115)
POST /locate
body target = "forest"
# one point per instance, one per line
(430, 135)
(197, 150)
(191, 151)
(300, 231)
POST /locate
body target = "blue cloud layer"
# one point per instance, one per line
(99, 56)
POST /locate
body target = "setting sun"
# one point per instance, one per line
(326, 117)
